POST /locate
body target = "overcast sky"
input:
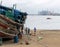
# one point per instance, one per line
(33, 6)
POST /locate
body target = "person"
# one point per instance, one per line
(34, 30)
(21, 29)
(28, 31)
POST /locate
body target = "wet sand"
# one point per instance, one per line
(50, 38)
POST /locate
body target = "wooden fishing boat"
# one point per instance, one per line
(11, 20)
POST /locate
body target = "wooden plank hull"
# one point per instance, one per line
(3, 35)
(7, 31)
(9, 20)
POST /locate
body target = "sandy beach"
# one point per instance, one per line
(50, 38)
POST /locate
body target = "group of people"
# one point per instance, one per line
(28, 31)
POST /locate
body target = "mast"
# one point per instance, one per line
(1, 2)
(14, 7)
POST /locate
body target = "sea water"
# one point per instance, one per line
(43, 22)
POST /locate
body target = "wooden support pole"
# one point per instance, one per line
(0, 41)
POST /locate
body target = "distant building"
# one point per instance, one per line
(45, 13)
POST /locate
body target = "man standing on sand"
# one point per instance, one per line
(34, 30)
(28, 31)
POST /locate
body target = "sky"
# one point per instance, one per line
(33, 6)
